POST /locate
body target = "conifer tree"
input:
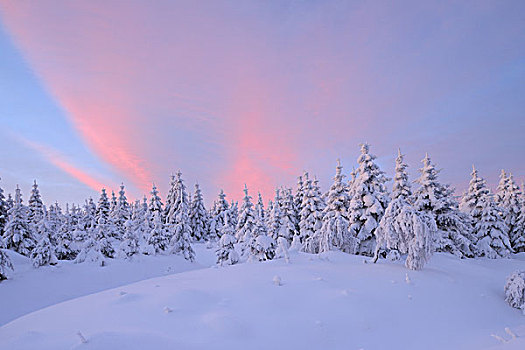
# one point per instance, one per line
(289, 215)
(298, 200)
(219, 214)
(113, 202)
(9, 202)
(62, 235)
(247, 220)
(44, 252)
(233, 213)
(402, 229)
(17, 234)
(178, 195)
(488, 226)
(276, 218)
(103, 207)
(334, 233)
(158, 238)
(3, 212)
(155, 204)
(172, 196)
(36, 208)
(454, 232)
(368, 201)
(132, 234)
(179, 225)
(121, 212)
(5, 262)
(508, 197)
(226, 253)
(259, 208)
(311, 215)
(518, 238)
(199, 220)
(96, 245)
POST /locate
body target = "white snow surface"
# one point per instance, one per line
(328, 301)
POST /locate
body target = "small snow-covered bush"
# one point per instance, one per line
(515, 290)
(262, 248)
(226, 254)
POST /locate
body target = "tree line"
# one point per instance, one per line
(358, 216)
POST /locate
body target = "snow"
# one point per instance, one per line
(330, 301)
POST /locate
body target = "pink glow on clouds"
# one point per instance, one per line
(62, 163)
(246, 92)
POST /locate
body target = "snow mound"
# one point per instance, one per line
(452, 303)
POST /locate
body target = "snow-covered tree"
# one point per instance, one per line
(130, 240)
(10, 202)
(369, 199)
(121, 212)
(199, 220)
(36, 207)
(178, 222)
(247, 224)
(226, 253)
(298, 200)
(334, 233)
(234, 213)
(289, 219)
(402, 229)
(454, 232)
(5, 262)
(44, 252)
(103, 207)
(17, 234)
(158, 238)
(113, 202)
(276, 218)
(155, 204)
(489, 228)
(515, 290)
(508, 197)
(219, 214)
(518, 238)
(62, 230)
(262, 247)
(3, 212)
(311, 215)
(259, 208)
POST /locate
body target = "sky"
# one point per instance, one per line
(98, 93)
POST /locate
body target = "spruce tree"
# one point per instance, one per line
(368, 201)
(36, 208)
(200, 223)
(3, 212)
(10, 202)
(132, 233)
(5, 262)
(454, 232)
(177, 196)
(121, 212)
(508, 197)
(518, 238)
(247, 224)
(226, 253)
(489, 229)
(311, 215)
(402, 229)
(44, 252)
(276, 218)
(103, 207)
(158, 238)
(289, 215)
(155, 204)
(179, 225)
(17, 234)
(219, 214)
(334, 233)
(62, 235)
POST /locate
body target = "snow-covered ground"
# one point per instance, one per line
(332, 301)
